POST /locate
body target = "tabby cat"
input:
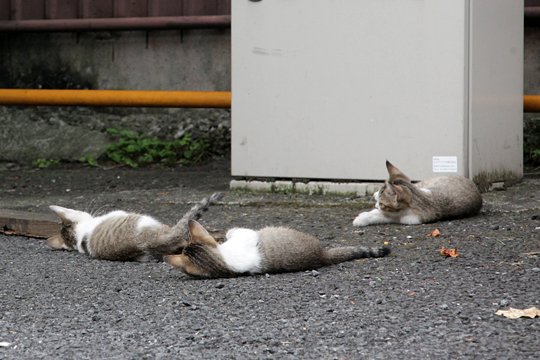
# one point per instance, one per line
(402, 201)
(269, 250)
(123, 236)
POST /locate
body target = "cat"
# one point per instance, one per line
(269, 250)
(401, 201)
(123, 236)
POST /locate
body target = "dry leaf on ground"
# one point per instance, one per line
(448, 252)
(435, 233)
(512, 313)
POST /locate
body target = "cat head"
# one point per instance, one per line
(70, 218)
(394, 195)
(200, 257)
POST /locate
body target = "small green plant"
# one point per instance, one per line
(535, 155)
(44, 163)
(134, 150)
(531, 142)
(88, 160)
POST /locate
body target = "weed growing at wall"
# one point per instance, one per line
(135, 150)
(531, 142)
(45, 163)
(88, 160)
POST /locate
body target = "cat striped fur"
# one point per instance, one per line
(123, 236)
(269, 250)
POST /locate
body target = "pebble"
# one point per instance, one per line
(443, 306)
(495, 227)
(504, 302)
(315, 273)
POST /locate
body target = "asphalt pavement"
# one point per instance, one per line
(414, 304)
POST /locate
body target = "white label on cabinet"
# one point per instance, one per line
(445, 164)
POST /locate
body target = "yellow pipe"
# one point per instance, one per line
(531, 103)
(141, 98)
(137, 98)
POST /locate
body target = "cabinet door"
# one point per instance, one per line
(332, 88)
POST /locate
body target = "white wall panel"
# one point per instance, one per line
(330, 89)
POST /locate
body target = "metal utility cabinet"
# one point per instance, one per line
(330, 89)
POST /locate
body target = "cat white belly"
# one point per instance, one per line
(241, 252)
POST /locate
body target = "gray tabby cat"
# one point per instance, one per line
(269, 250)
(401, 201)
(123, 236)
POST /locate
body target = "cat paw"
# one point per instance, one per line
(362, 219)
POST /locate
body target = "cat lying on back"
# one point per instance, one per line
(269, 250)
(401, 201)
(123, 236)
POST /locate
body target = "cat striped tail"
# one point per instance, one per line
(196, 211)
(346, 253)
(173, 241)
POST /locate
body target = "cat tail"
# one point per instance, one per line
(175, 240)
(346, 253)
(196, 211)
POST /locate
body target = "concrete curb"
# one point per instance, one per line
(311, 187)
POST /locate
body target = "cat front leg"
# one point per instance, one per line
(374, 216)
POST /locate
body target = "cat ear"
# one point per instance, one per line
(199, 235)
(56, 242)
(395, 173)
(69, 216)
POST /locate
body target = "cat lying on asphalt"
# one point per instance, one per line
(269, 250)
(401, 201)
(123, 236)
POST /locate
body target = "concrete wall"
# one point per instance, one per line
(137, 60)
(179, 60)
(532, 61)
(531, 124)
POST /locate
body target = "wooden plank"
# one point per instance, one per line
(28, 9)
(200, 7)
(130, 8)
(164, 8)
(96, 8)
(532, 3)
(5, 10)
(61, 9)
(223, 7)
(25, 223)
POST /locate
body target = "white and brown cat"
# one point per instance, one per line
(269, 250)
(123, 236)
(404, 202)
